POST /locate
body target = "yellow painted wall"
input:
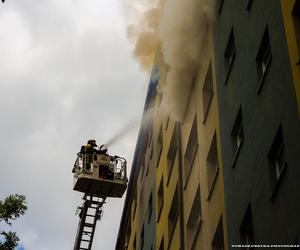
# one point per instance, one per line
(294, 49)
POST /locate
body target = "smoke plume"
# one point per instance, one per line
(173, 31)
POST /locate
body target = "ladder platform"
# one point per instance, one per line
(90, 184)
(103, 176)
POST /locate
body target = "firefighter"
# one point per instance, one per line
(103, 149)
(87, 152)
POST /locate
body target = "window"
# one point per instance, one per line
(160, 198)
(142, 167)
(167, 121)
(219, 5)
(151, 152)
(207, 92)
(296, 21)
(173, 214)
(159, 145)
(237, 136)
(212, 165)
(191, 150)
(218, 240)
(246, 229)
(194, 220)
(161, 245)
(148, 166)
(248, 5)
(229, 55)
(134, 242)
(172, 153)
(277, 160)
(150, 207)
(150, 133)
(263, 58)
(142, 195)
(134, 204)
(142, 238)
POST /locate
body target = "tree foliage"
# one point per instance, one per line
(11, 208)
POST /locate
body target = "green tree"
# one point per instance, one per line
(11, 208)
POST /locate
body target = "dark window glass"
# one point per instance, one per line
(218, 240)
(160, 198)
(229, 55)
(191, 150)
(207, 92)
(173, 214)
(159, 145)
(246, 229)
(219, 5)
(263, 58)
(296, 22)
(237, 136)
(172, 153)
(150, 207)
(194, 220)
(277, 160)
(212, 165)
(248, 4)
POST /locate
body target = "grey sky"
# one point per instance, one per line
(66, 75)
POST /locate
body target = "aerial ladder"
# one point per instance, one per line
(99, 176)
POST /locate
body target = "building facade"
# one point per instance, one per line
(258, 91)
(228, 172)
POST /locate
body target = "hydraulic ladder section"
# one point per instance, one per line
(90, 213)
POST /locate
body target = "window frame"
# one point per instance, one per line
(229, 55)
(207, 93)
(174, 214)
(220, 6)
(218, 236)
(237, 136)
(160, 143)
(246, 229)
(150, 207)
(172, 154)
(191, 152)
(263, 59)
(249, 5)
(212, 161)
(276, 150)
(160, 194)
(191, 222)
